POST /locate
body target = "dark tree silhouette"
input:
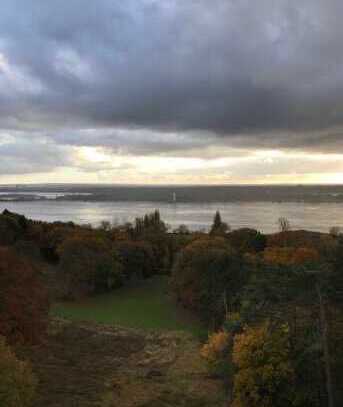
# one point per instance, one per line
(219, 227)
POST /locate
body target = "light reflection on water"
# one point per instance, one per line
(260, 215)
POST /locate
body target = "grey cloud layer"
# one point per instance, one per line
(259, 74)
(26, 155)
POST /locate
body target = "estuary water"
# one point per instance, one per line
(196, 216)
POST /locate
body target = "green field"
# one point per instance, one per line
(146, 305)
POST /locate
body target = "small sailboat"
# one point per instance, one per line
(174, 197)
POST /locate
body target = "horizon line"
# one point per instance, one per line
(299, 184)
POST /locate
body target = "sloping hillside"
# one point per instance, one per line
(97, 365)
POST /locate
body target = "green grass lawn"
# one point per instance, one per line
(146, 305)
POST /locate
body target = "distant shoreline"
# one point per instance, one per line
(168, 194)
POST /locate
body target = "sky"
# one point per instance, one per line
(171, 91)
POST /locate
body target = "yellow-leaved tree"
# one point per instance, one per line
(216, 352)
(264, 375)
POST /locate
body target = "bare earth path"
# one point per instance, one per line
(85, 364)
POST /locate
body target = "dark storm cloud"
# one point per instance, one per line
(257, 74)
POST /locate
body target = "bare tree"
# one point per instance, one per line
(335, 231)
(284, 224)
(105, 225)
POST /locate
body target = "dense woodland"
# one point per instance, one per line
(272, 303)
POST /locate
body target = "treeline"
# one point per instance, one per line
(91, 260)
(258, 294)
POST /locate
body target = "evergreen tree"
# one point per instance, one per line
(218, 227)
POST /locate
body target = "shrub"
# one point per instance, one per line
(216, 352)
(265, 377)
(17, 382)
(23, 299)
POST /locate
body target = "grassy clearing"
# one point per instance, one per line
(146, 305)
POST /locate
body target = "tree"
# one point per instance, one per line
(23, 299)
(137, 258)
(284, 224)
(89, 265)
(265, 375)
(153, 230)
(105, 225)
(205, 274)
(149, 223)
(335, 231)
(10, 229)
(247, 240)
(182, 230)
(290, 256)
(335, 283)
(218, 226)
(17, 382)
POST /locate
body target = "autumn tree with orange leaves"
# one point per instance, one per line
(289, 256)
(23, 299)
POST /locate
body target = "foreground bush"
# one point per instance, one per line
(23, 299)
(265, 376)
(17, 382)
(216, 352)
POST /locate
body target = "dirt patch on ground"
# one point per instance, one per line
(87, 365)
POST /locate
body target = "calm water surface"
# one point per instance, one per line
(260, 215)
